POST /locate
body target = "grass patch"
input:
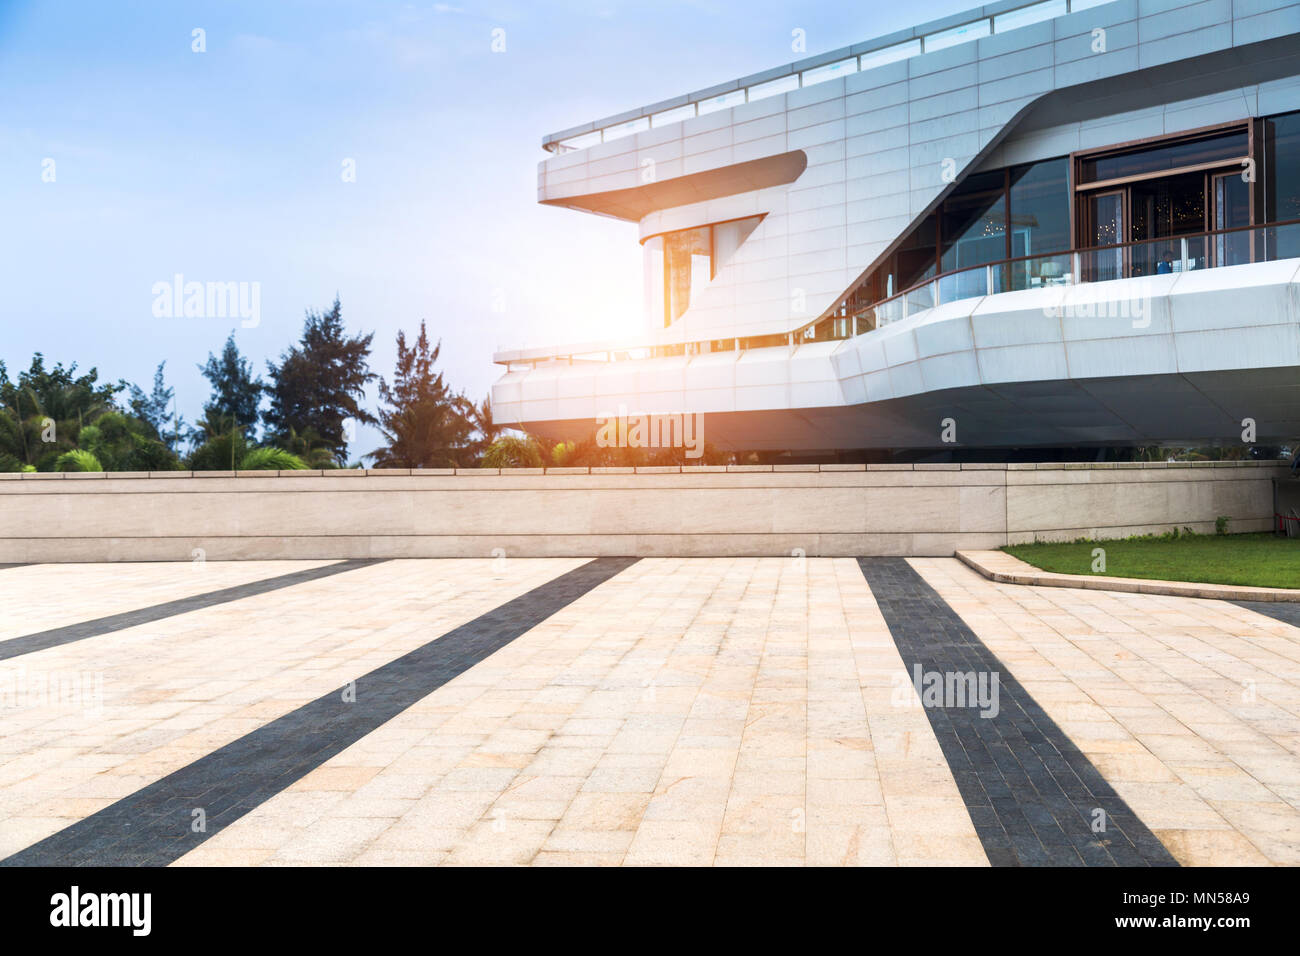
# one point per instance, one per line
(1256, 560)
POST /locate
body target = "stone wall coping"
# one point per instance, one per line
(647, 470)
(1008, 569)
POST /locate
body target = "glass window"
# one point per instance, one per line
(1282, 183)
(1282, 167)
(675, 115)
(678, 265)
(725, 101)
(627, 129)
(652, 261)
(1040, 208)
(973, 225)
(1027, 15)
(962, 34)
(1212, 149)
(783, 85)
(580, 142)
(914, 260)
(687, 257)
(890, 54)
(831, 71)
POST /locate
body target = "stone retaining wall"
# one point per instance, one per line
(845, 510)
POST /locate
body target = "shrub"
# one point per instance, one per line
(1221, 524)
(512, 452)
(563, 454)
(77, 460)
(271, 459)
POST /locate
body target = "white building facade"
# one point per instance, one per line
(1058, 224)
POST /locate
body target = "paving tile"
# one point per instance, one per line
(728, 711)
(998, 733)
(1186, 705)
(235, 779)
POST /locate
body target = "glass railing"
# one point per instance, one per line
(977, 28)
(1129, 260)
(1194, 253)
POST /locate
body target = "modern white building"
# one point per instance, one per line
(1059, 224)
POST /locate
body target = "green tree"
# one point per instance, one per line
(236, 393)
(425, 424)
(42, 412)
(125, 443)
(318, 384)
(152, 409)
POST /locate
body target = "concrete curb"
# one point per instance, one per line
(1006, 569)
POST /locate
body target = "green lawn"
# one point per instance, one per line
(1260, 560)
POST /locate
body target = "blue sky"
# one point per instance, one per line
(226, 166)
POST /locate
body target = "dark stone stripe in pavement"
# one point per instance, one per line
(41, 640)
(1285, 611)
(152, 827)
(1030, 792)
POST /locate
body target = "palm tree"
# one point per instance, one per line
(307, 445)
(485, 426)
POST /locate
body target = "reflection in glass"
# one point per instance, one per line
(1231, 209)
(973, 231)
(679, 265)
(686, 259)
(1106, 218)
(1213, 149)
(1282, 181)
(1040, 208)
(652, 262)
(1164, 209)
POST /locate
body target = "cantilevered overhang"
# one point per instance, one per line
(638, 202)
(1184, 357)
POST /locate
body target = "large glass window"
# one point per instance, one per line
(989, 217)
(1282, 179)
(973, 224)
(652, 264)
(1282, 167)
(1040, 208)
(678, 265)
(1223, 147)
(915, 260)
(687, 256)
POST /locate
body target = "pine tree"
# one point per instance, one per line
(318, 383)
(153, 409)
(236, 394)
(425, 424)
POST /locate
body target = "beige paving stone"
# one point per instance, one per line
(229, 670)
(1185, 705)
(1211, 848)
(697, 712)
(36, 597)
(673, 843)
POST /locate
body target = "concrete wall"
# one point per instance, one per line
(756, 510)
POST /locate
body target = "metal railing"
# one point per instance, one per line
(974, 29)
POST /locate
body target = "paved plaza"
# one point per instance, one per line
(720, 711)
